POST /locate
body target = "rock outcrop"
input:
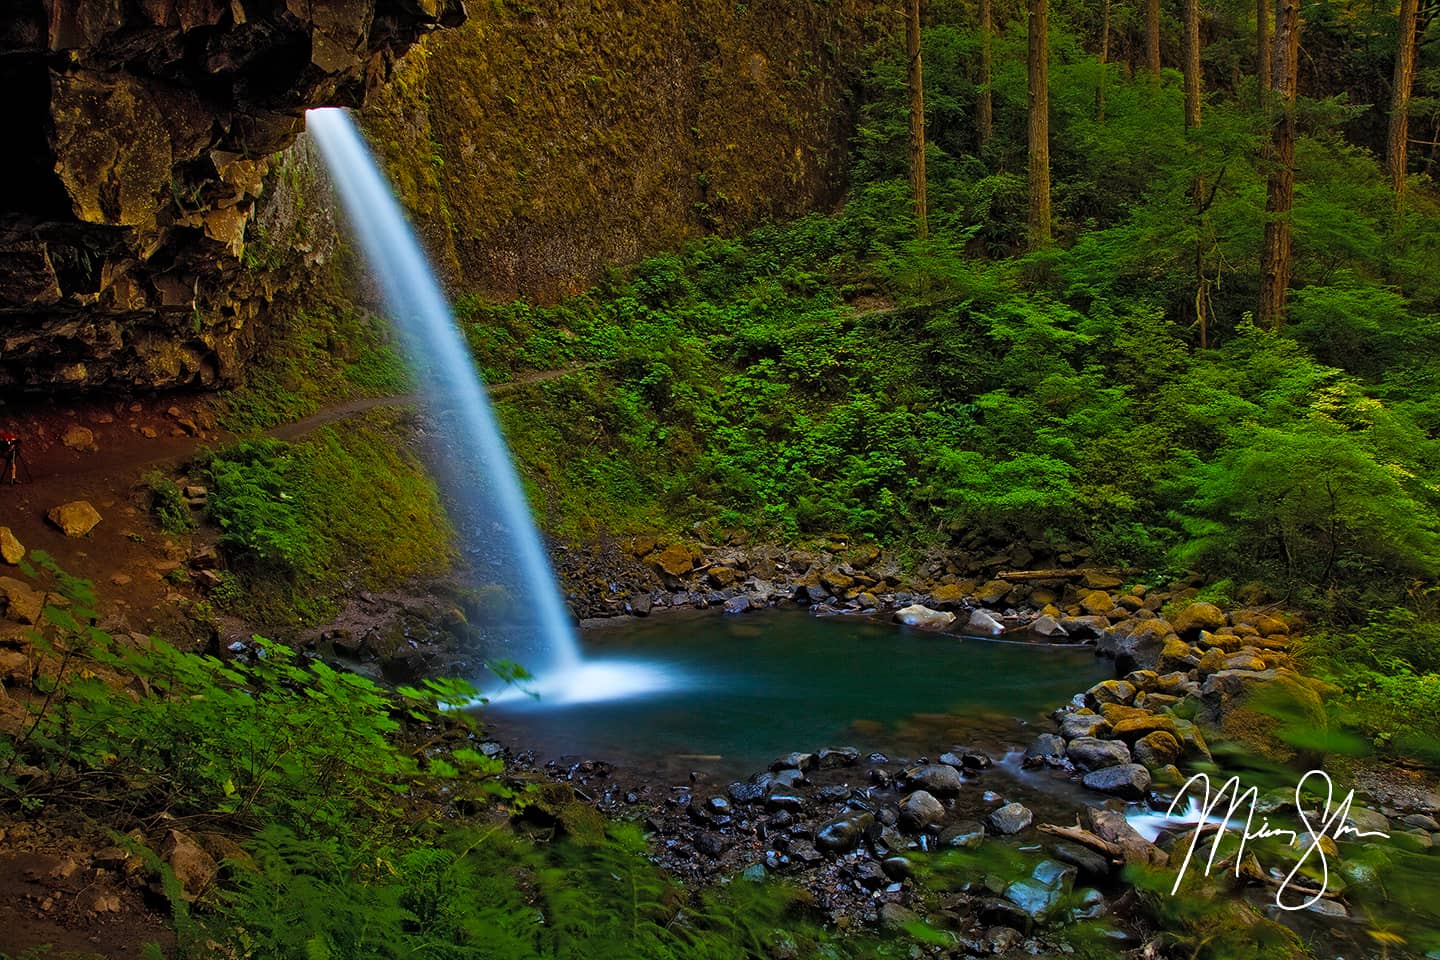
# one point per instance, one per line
(129, 249)
(542, 142)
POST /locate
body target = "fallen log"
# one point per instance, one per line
(1067, 573)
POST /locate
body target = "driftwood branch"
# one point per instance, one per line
(1084, 838)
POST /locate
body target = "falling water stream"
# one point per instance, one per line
(484, 482)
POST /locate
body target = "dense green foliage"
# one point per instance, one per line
(834, 374)
(297, 518)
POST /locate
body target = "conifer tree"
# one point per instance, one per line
(1152, 39)
(984, 107)
(917, 117)
(1275, 257)
(1397, 145)
(1039, 127)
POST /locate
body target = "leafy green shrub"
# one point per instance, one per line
(168, 504)
(1389, 672)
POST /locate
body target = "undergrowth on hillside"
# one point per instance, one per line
(299, 520)
(316, 356)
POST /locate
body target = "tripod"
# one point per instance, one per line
(14, 461)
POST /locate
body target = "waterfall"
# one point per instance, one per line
(491, 492)
(481, 474)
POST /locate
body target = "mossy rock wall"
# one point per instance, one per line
(539, 143)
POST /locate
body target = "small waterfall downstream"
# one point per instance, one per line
(481, 474)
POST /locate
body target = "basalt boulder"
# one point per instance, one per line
(140, 138)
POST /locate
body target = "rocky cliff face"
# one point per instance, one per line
(144, 130)
(539, 143)
(158, 210)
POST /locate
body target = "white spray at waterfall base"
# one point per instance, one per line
(486, 485)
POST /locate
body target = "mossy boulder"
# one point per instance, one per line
(674, 562)
(949, 593)
(1197, 617)
(992, 592)
(1135, 728)
(1259, 709)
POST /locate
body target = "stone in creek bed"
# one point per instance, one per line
(1089, 861)
(781, 799)
(890, 841)
(967, 834)
(1003, 913)
(780, 820)
(794, 761)
(1128, 780)
(787, 778)
(747, 791)
(1033, 897)
(923, 618)
(718, 805)
(1047, 750)
(737, 605)
(1054, 874)
(919, 811)
(1088, 753)
(1083, 725)
(1011, 818)
(870, 875)
(897, 868)
(710, 845)
(804, 852)
(999, 939)
(843, 834)
(984, 623)
(838, 757)
(939, 779)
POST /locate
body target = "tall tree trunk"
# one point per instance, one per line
(1152, 39)
(1275, 258)
(1397, 148)
(917, 117)
(1039, 128)
(1104, 58)
(984, 109)
(1262, 50)
(1192, 122)
(1192, 63)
